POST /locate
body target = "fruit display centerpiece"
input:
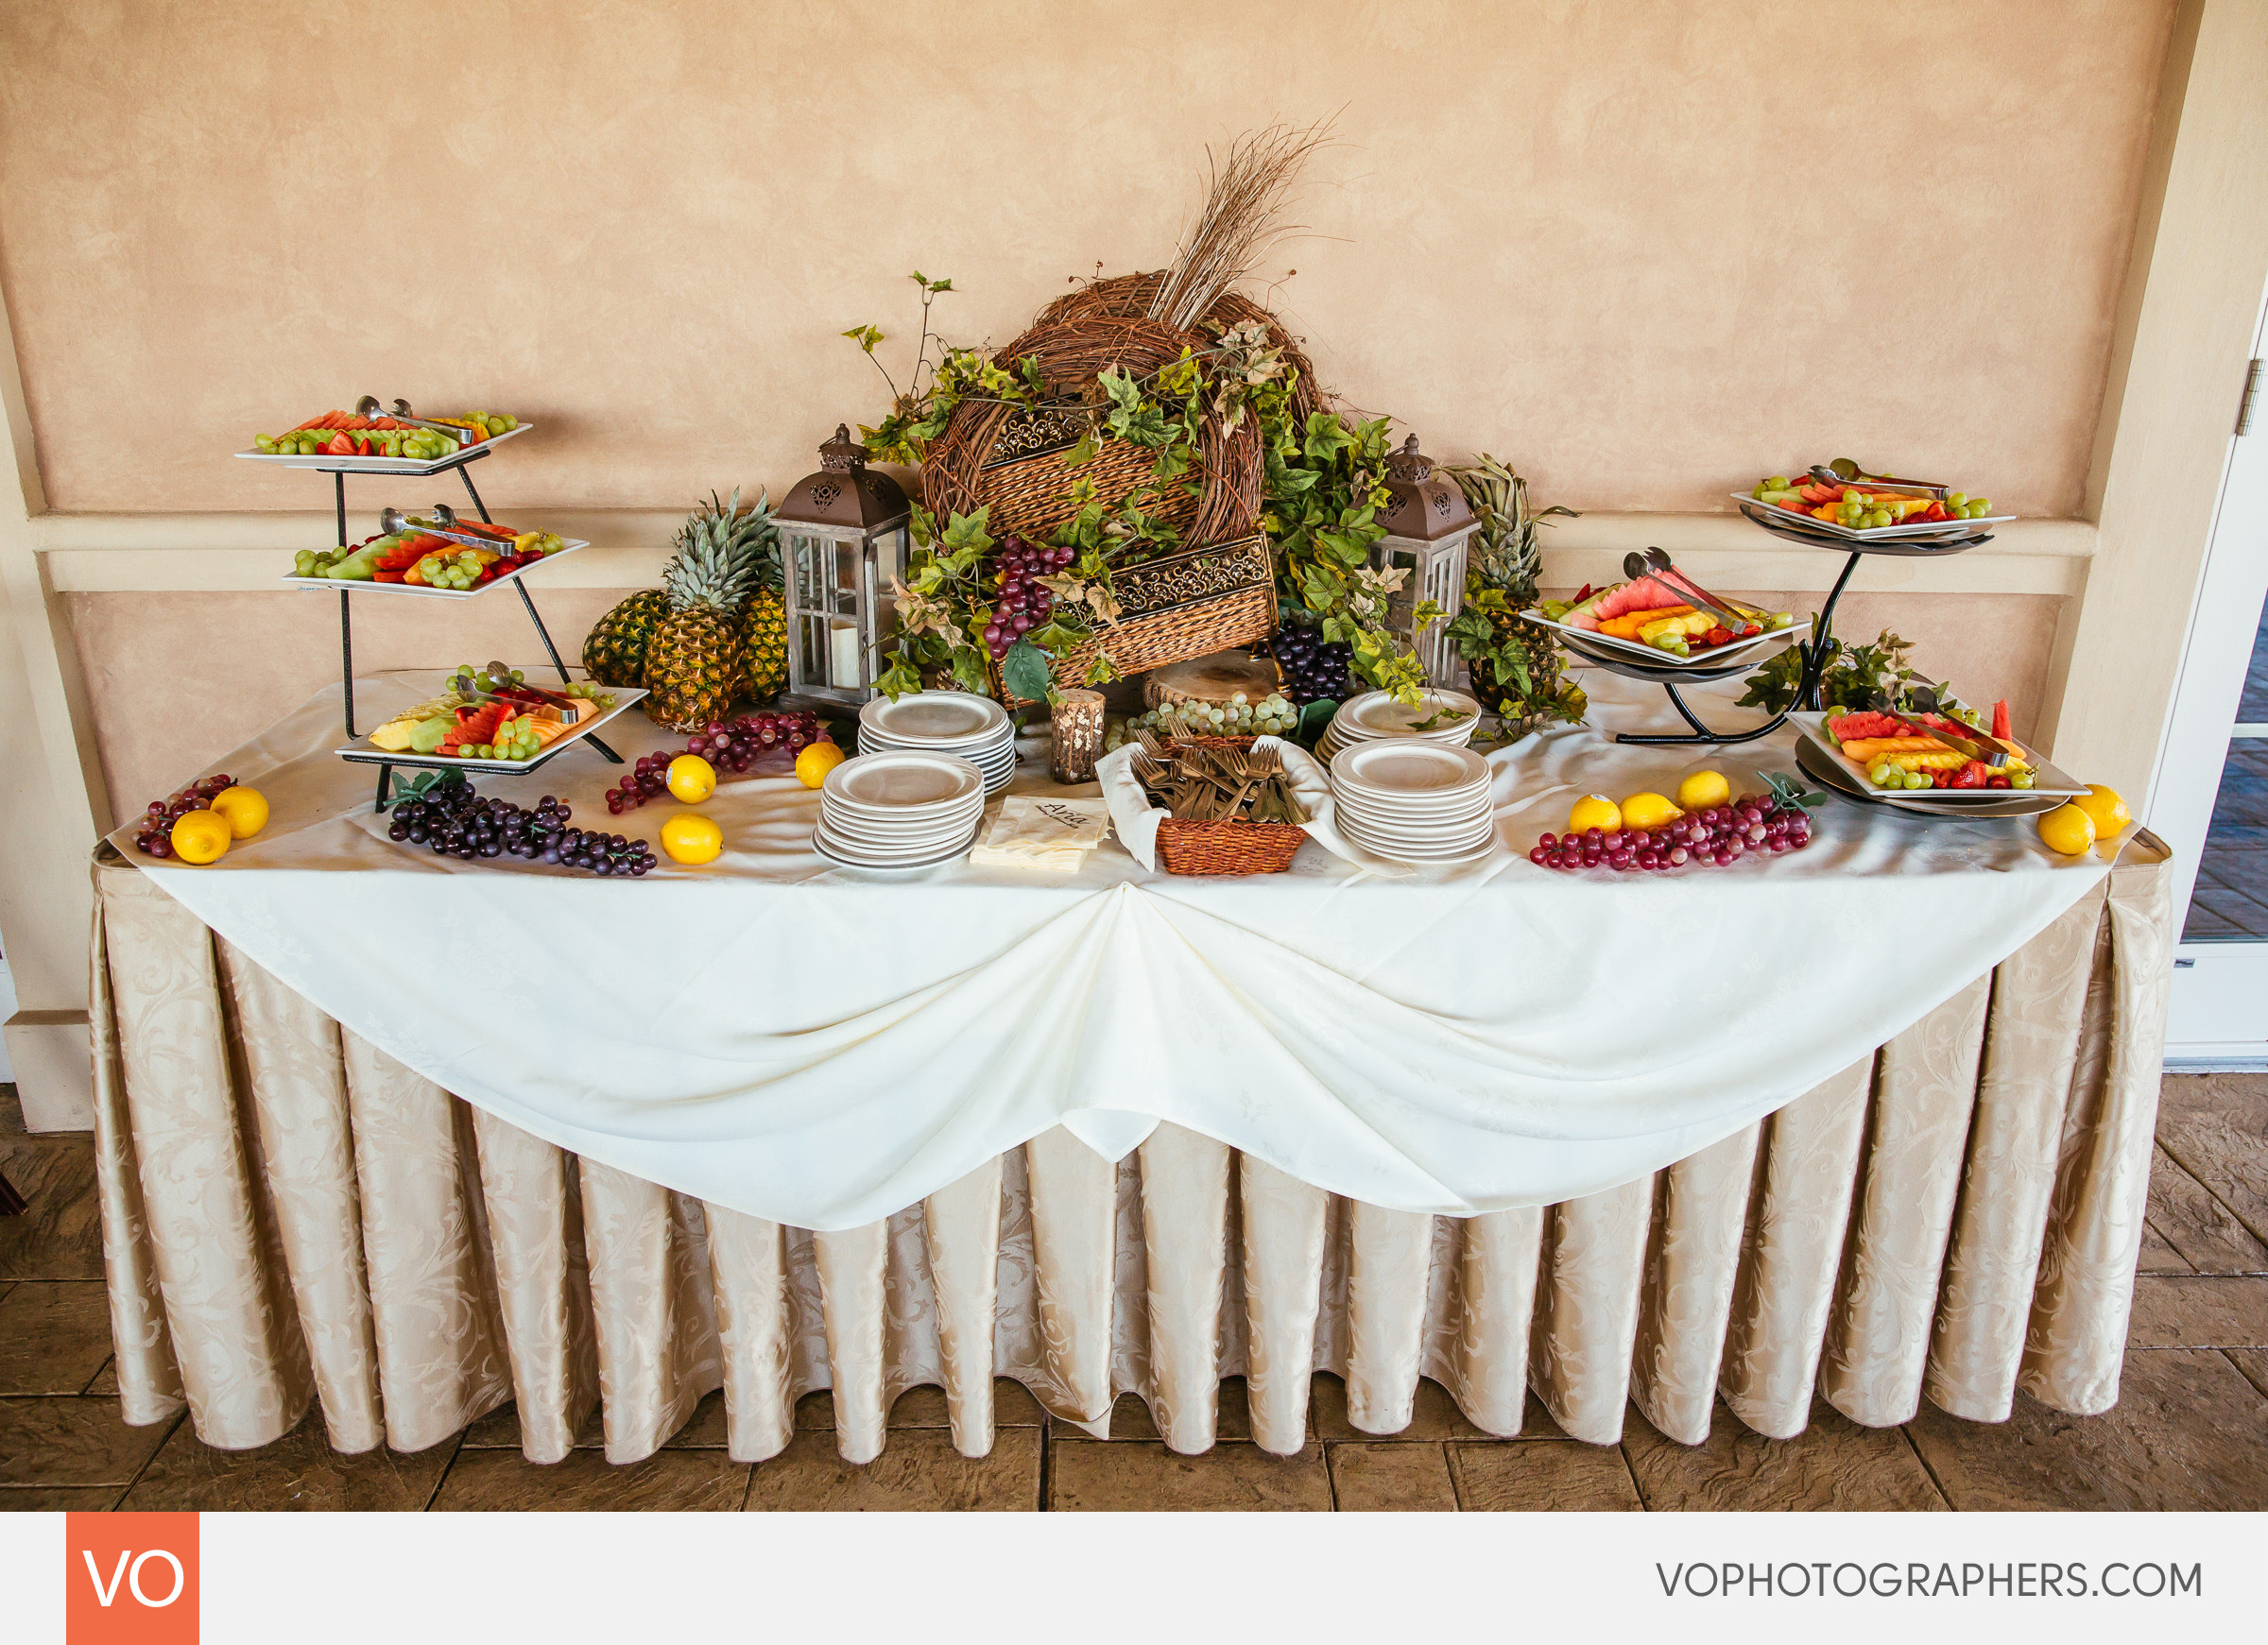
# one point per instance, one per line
(713, 631)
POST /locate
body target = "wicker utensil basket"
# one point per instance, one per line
(1231, 846)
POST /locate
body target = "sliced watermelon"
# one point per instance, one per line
(1643, 594)
(475, 725)
(2001, 726)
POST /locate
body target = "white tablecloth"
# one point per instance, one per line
(822, 1048)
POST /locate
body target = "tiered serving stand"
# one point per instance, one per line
(414, 467)
(1816, 653)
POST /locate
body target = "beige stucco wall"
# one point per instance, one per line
(1643, 252)
(1643, 249)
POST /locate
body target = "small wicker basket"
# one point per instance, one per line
(1179, 606)
(1231, 846)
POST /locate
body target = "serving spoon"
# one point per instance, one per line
(1657, 564)
(367, 406)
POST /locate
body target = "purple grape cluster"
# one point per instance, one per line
(1312, 667)
(452, 820)
(1716, 837)
(154, 837)
(1022, 603)
(733, 745)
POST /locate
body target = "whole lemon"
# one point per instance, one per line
(1704, 789)
(1649, 812)
(690, 837)
(2101, 803)
(813, 764)
(693, 779)
(1594, 811)
(200, 836)
(243, 808)
(2068, 829)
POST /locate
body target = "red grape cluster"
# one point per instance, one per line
(1022, 604)
(154, 837)
(729, 746)
(1718, 836)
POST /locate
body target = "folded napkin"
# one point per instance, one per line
(1036, 832)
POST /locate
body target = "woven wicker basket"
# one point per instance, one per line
(1173, 608)
(1230, 846)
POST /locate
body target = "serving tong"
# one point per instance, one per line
(1925, 700)
(496, 670)
(1656, 564)
(443, 523)
(1826, 475)
(367, 406)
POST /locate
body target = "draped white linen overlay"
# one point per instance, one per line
(821, 1048)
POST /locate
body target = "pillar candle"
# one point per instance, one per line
(1077, 722)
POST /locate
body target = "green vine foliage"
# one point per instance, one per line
(1323, 487)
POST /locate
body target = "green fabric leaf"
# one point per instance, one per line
(1023, 671)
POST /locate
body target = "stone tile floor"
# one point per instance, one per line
(2190, 1430)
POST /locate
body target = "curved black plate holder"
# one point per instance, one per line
(1814, 656)
(346, 619)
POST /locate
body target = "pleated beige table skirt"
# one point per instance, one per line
(291, 1216)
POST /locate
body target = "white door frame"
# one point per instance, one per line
(2220, 1011)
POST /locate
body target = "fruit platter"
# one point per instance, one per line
(1938, 759)
(490, 719)
(441, 557)
(1837, 501)
(1658, 621)
(357, 443)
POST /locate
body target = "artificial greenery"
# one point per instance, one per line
(1861, 677)
(1323, 483)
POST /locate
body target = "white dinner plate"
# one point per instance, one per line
(1377, 715)
(1423, 860)
(853, 860)
(877, 836)
(937, 719)
(897, 782)
(1409, 768)
(1356, 816)
(908, 849)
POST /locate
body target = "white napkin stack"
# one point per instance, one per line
(1055, 835)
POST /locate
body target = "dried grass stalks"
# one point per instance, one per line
(1246, 198)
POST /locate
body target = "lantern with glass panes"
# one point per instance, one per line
(1428, 526)
(843, 535)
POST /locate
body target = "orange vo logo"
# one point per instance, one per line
(130, 1579)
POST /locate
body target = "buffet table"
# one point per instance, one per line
(411, 1138)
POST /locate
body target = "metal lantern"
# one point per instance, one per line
(1428, 526)
(843, 535)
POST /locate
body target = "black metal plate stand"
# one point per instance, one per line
(1816, 656)
(346, 619)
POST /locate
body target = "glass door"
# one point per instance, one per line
(2211, 800)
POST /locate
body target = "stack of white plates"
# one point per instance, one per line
(899, 811)
(959, 723)
(1447, 717)
(1411, 800)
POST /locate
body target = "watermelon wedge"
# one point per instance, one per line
(1645, 594)
(474, 727)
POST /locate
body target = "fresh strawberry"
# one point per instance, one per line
(339, 446)
(1720, 635)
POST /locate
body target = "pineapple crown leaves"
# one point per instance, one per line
(724, 554)
(1509, 552)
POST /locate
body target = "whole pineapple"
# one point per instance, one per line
(763, 620)
(1501, 578)
(614, 650)
(694, 658)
